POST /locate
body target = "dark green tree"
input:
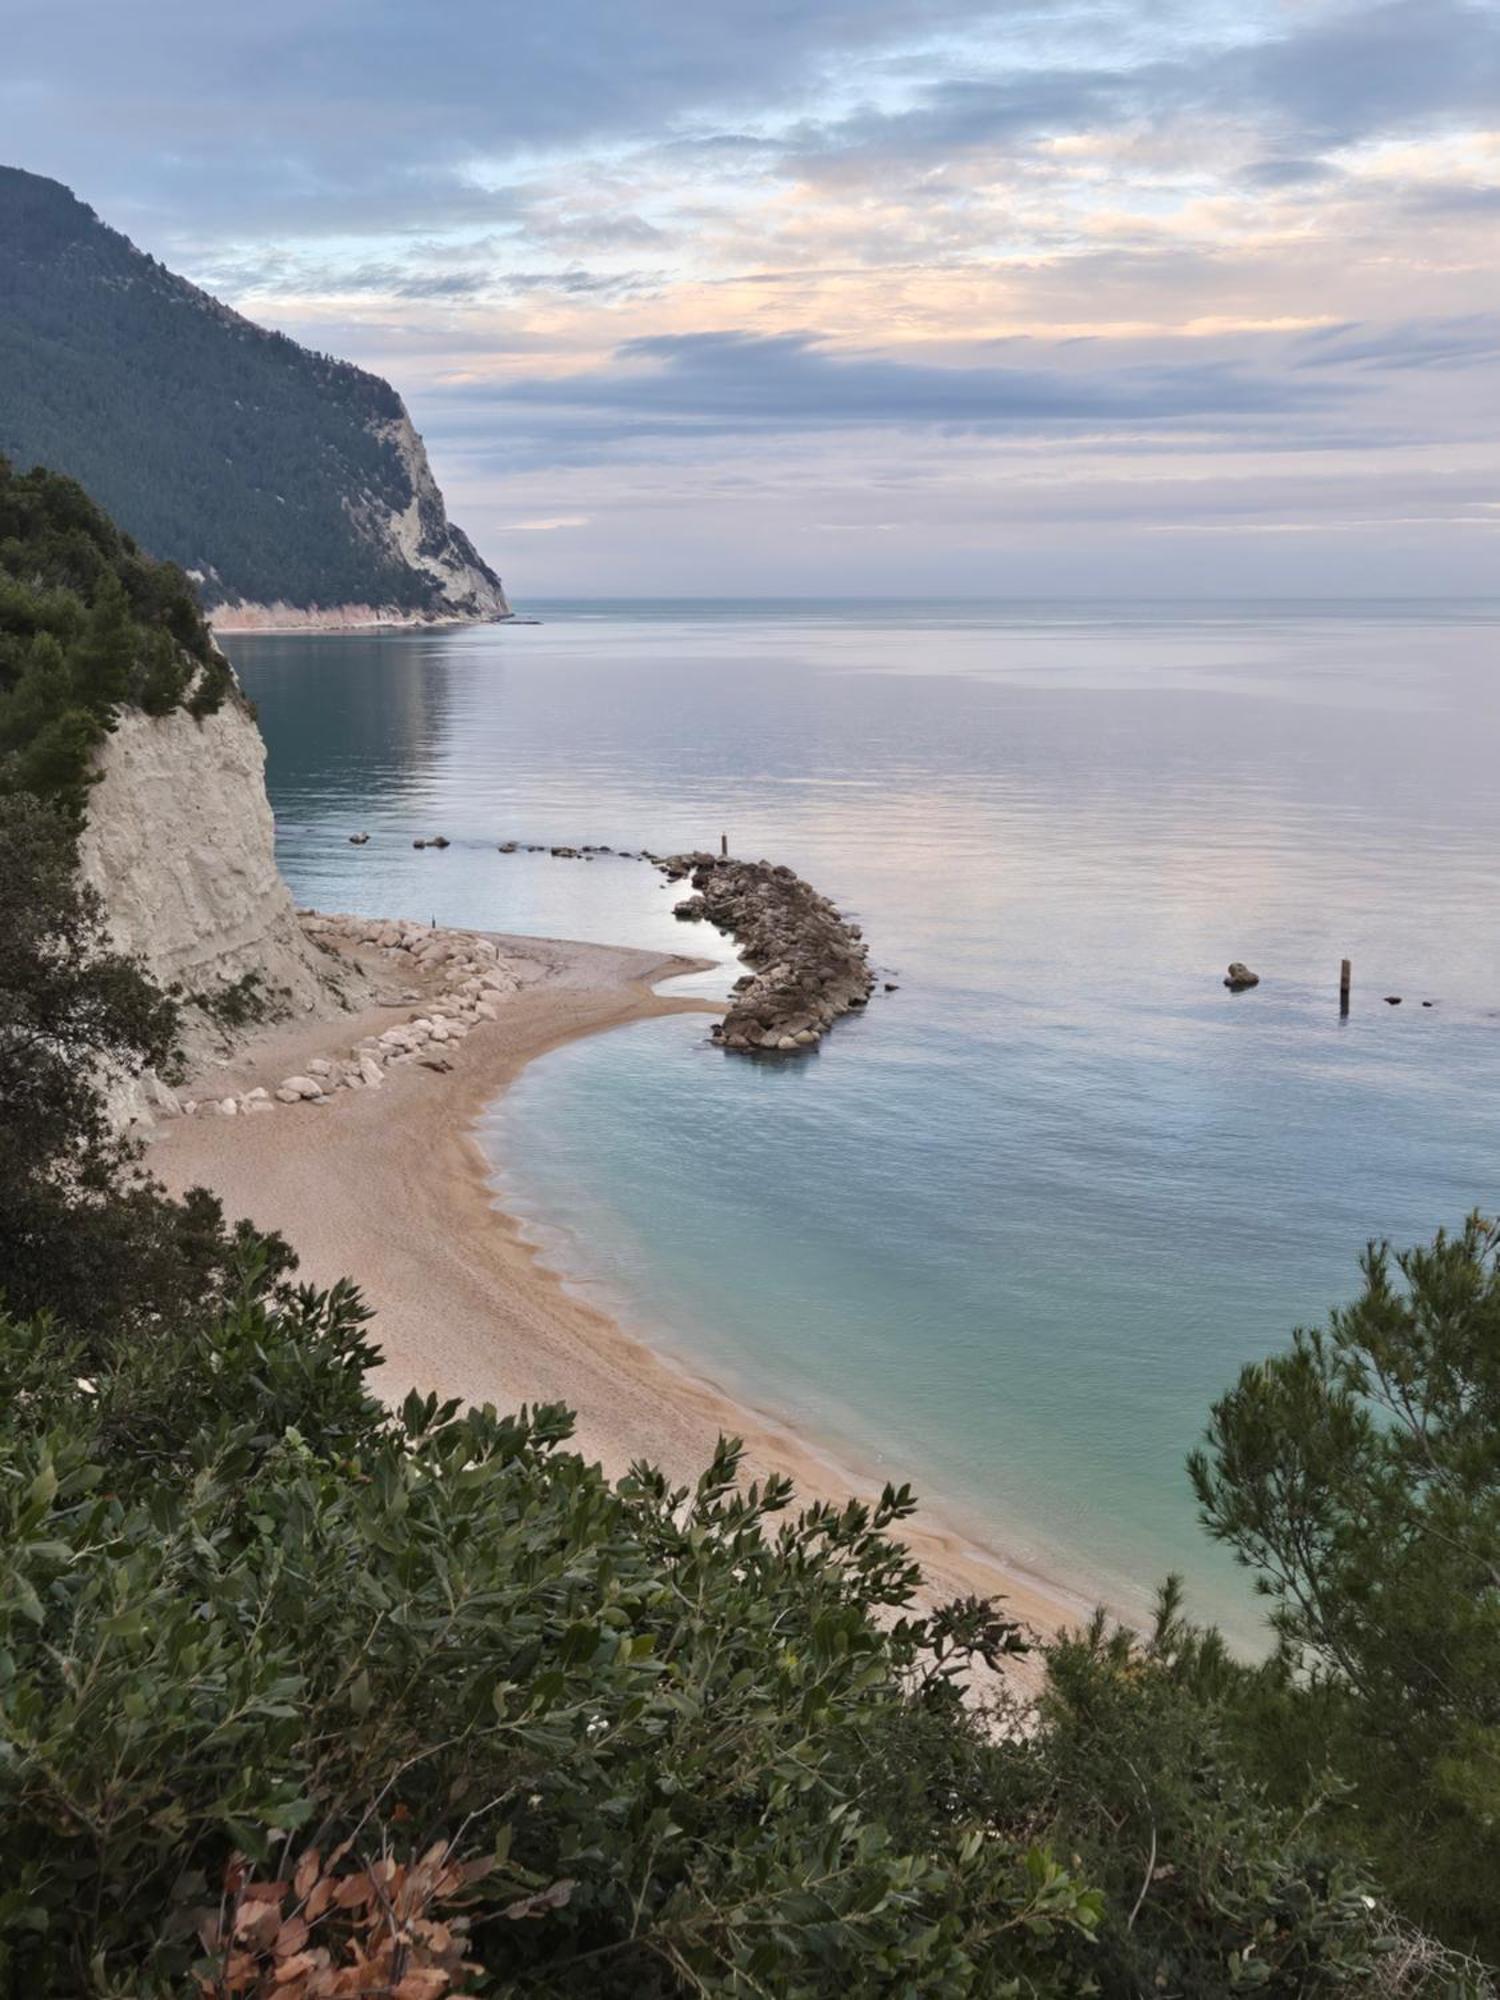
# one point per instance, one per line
(102, 660)
(84, 1234)
(1358, 1476)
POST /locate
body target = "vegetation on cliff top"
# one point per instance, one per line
(244, 457)
(87, 625)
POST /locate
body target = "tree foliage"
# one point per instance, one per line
(87, 625)
(697, 1742)
(85, 1235)
(1358, 1476)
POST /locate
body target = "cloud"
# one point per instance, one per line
(1336, 76)
(1459, 342)
(791, 382)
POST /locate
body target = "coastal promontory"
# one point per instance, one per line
(292, 487)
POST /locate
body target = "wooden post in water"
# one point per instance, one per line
(724, 845)
(1344, 977)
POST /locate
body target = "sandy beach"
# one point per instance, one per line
(389, 1186)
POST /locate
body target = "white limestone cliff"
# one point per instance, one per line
(180, 845)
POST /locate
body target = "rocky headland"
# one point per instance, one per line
(809, 965)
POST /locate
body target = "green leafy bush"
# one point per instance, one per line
(700, 1738)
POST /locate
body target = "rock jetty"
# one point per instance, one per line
(810, 965)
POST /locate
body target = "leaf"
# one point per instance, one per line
(43, 1489)
(551, 1898)
(293, 1937)
(27, 1601)
(423, 1983)
(352, 1890)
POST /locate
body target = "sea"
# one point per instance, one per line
(1009, 1234)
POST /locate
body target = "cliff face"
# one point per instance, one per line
(416, 537)
(180, 844)
(292, 487)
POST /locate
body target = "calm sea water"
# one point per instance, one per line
(1009, 1234)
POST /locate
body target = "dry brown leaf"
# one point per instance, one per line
(353, 1889)
(308, 1870)
(293, 1937)
(319, 1897)
(423, 1982)
(256, 1925)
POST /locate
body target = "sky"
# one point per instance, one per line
(851, 297)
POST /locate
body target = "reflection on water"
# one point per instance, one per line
(1016, 1228)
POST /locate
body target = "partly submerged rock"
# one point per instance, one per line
(1240, 977)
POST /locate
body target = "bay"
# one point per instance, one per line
(1010, 1233)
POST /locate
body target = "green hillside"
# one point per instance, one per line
(250, 461)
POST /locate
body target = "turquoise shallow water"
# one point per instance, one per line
(1010, 1233)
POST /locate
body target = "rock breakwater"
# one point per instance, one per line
(809, 965)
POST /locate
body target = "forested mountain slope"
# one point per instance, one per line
(274, 475)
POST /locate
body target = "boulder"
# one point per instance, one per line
(371, 1072)
(1240, 978)
(161, 1096)
(302, 1086)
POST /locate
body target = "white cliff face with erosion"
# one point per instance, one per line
(180, 844)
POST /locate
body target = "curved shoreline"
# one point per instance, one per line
(393, 1188)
